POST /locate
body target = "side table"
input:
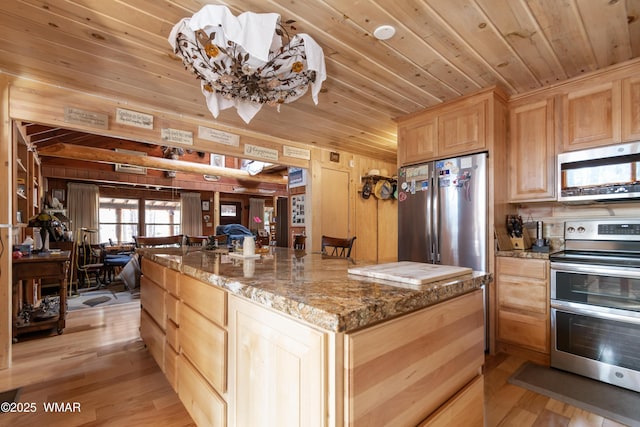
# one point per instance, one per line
(49, 265)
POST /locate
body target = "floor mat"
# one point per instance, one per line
(604, 399)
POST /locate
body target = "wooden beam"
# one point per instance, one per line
(100, 155)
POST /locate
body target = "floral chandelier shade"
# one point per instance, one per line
(242, 62)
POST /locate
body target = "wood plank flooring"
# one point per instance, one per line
(101, 363)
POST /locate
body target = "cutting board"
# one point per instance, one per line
(414, 273)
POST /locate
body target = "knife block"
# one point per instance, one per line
(521, 243)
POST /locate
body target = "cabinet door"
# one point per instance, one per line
(523, 303)
(532, 152)
(277, 369)
(417, 141)
(592, 117)
(631, 109)
(462, 130)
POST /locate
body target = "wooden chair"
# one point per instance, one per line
(197, 240)
(299, 242)
(337, 247)
(149, 242)
(89, 262)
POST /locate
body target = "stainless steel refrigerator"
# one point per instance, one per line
(442, 214)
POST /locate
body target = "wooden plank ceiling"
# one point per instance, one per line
(442, 49)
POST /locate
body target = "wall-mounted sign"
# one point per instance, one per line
(177, 135)
(86, 118)
(134, 118)
(297, 177)
(140, 170)
(218, 136)
(261, 152)
(298, 153)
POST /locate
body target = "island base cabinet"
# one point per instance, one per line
(465, 409)
(153, 337)
(401, 371)
(199, 398)
(277, 369)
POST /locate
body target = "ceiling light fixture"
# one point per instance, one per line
(384, 32)
(242, 61)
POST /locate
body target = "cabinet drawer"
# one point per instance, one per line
(153, 271)
(171, 367)
(202, 402)
(172, 335)
(533, 268)
(206, 299)
(153, 338)
(527, 331)
(205, 345)
(152, 300)
(523, 294)
(172, 281)
(173, 307)
(466, 408)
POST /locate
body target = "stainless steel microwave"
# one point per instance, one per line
(603, 173)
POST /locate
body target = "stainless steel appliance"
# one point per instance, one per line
(595, 301)
(603, 173)
(442, 213)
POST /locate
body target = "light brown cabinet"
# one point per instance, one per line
(592, 116)
(522, 288)
(26, 183)
(417, 140)
(462, 130)
(456, 128)
(532, 151)
(631, 109)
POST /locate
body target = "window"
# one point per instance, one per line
(118, 219)
(162, 217)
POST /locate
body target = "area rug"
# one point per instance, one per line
(100, 298)
(609, 401)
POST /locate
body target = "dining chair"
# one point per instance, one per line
(337, 247)
(197, 240)
(149, 242)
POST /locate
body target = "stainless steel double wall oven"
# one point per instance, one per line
(595, 301)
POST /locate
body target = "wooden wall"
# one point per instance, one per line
(6, 215)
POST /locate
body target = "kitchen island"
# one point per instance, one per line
(291, 338)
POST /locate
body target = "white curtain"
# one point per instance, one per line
(256, 211)
(191, 214)
(84, 206)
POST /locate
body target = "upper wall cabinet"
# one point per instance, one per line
(417, 140)
(631, 109)
(592, 116)
(452, 129)
(462, 130)
(532, 151)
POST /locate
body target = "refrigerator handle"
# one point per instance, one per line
(435, 243)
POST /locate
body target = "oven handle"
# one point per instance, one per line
(630, 272)
(595, 311)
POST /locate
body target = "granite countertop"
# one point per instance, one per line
(311, 287)
(523, 254)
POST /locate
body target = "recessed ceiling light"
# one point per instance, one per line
(384, 32)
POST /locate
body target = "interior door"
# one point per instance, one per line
(334, 213)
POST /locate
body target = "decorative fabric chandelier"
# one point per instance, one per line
(242, 62)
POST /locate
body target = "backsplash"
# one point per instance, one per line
(553, 215)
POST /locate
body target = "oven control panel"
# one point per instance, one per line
(602, 230)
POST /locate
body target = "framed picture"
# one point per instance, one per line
(58, 194)
(205, 205)
(217, 160)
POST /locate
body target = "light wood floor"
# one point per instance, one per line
(101, 363)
